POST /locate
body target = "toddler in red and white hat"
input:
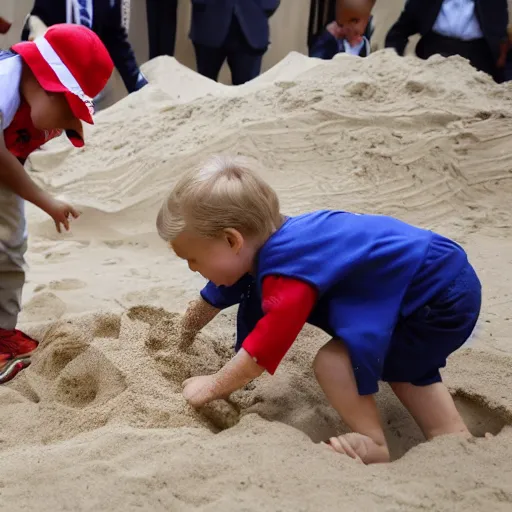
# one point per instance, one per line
(47, 85)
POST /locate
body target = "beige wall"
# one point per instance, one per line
(288, 32)
(14, 11)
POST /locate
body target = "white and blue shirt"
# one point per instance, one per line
(457, 19)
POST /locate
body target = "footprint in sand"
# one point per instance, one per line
(56, 256)
(67, 284)
(61, 344)
(116, 244)
(112, 261)
(89, 379)
(42, 307)
(107, 326)
(49, 247)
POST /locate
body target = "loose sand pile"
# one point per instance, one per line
(98, 421)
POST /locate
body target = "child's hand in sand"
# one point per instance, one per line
(359, 447)
(60, 212)
(198, 391)
(235, 374)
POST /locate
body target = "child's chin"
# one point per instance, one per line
(225, 282)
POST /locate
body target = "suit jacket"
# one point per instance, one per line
(211, 21)
(107, 24)
(419, 16)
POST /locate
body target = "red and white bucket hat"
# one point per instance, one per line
(70, 59)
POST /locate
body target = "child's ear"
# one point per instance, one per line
(234, 238)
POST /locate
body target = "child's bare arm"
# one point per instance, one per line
(235, 374)
(198, 315)
(288, 305)
(14, 177)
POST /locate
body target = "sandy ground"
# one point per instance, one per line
(98, 422)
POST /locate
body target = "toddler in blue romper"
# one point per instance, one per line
(407, 297)
(396, 299)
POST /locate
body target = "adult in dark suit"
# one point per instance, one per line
(474, 29)
(236, 30)
(162, 19)
(104, 18)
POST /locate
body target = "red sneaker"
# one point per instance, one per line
(15, 347)
(12, 368)
(15, 344)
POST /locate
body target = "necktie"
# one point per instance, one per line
(85, 15)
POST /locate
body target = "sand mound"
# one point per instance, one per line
(101, 407)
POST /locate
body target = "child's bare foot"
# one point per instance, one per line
(360, 447)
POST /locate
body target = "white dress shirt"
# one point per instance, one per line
(79, 12)
(457, 19)
(345, 46)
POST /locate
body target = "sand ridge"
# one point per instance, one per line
(101, 407)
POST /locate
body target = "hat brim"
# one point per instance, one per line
(75, 138)
(75, 133)
(82, 108)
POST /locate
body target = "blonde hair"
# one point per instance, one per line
(223, 193)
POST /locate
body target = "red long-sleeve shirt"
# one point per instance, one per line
(287, 304)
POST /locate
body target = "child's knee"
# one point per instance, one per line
(330, 357)
(319, 362)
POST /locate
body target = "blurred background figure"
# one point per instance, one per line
(232, 30)
(105, 17)
(473, 29)
(351, 10)
(162, 21)
(353, 38)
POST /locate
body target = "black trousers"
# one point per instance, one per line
(244, 62)
(162, 18)
(477, 51)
